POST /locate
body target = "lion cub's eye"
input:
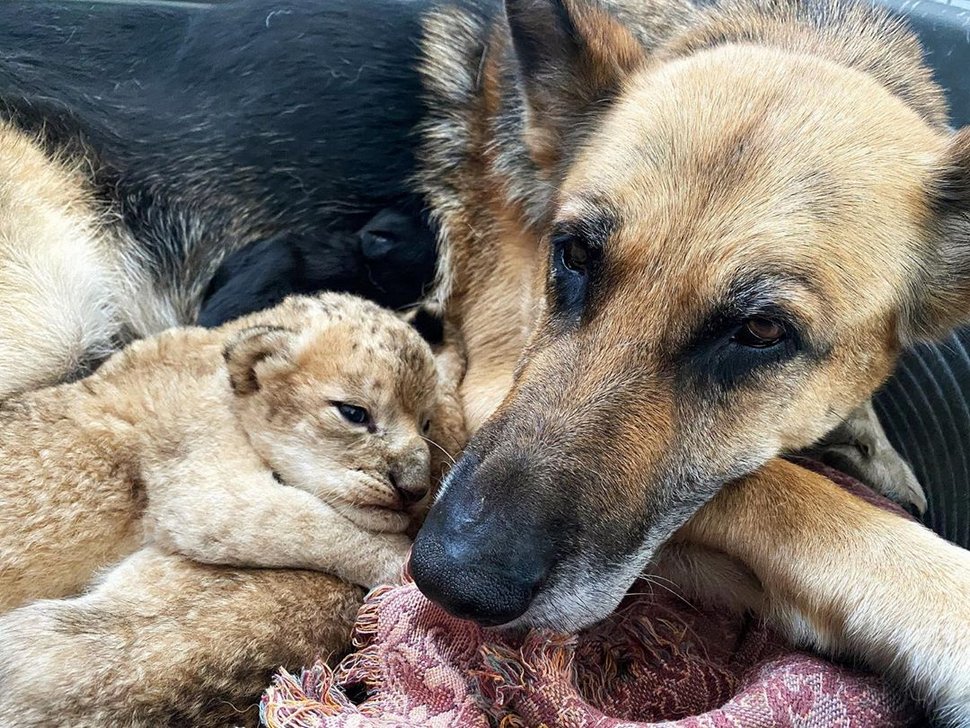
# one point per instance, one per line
(353, 413)
(426, 427)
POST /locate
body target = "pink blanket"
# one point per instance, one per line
(657, 661)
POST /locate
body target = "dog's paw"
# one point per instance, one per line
(859, 447)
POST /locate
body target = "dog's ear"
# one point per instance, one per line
(572, 59)
(256, 353)
(942, 300)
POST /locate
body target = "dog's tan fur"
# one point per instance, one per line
(899, 597)
(175, 441)
(705, 188)
(56, 268)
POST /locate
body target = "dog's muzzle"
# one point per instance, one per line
(480, 555)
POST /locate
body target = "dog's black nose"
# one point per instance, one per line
(479, 562)
(490, 596)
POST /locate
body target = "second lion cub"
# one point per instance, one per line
(297, 437)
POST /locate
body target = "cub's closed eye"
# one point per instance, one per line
(352, 413)
(760, 333)
(426, 426)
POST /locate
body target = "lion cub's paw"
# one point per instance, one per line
(885, 472)
(384, 563)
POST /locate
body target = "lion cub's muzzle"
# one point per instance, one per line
(410, 475)
(478, 555)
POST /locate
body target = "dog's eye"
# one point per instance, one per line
(353, 413)
(572, 265)
(731, 348)
(760, 333)
(575, 255)
(571, 255)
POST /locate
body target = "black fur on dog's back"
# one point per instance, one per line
(209, 128)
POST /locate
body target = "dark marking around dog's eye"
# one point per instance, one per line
(729, 349)
(353, 414)
(751, 331)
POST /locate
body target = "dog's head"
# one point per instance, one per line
(340, 398)
(743, 237)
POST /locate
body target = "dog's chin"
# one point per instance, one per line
(580, 596)
(564, 613)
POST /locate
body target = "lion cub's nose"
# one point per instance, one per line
(412, 482)
(410, 493)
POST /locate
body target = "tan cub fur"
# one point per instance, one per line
(226, 446)
(166, 641)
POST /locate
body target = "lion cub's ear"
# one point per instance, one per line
(943, 295)
(256, 353)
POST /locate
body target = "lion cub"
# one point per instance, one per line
(297, 437)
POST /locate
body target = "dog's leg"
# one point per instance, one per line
(236, 514)
(860, 447)
(163, 641)
(848, 578)
(56, 280)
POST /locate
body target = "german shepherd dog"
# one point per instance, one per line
(676, 243)
(681, 243)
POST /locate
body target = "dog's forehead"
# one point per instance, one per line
(779, 164)
(703, 108)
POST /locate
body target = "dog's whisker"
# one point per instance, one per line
(650, 579)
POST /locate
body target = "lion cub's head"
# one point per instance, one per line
(342, 399)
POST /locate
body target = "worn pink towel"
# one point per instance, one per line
(657, 661)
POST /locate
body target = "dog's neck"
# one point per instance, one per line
(485, 192)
